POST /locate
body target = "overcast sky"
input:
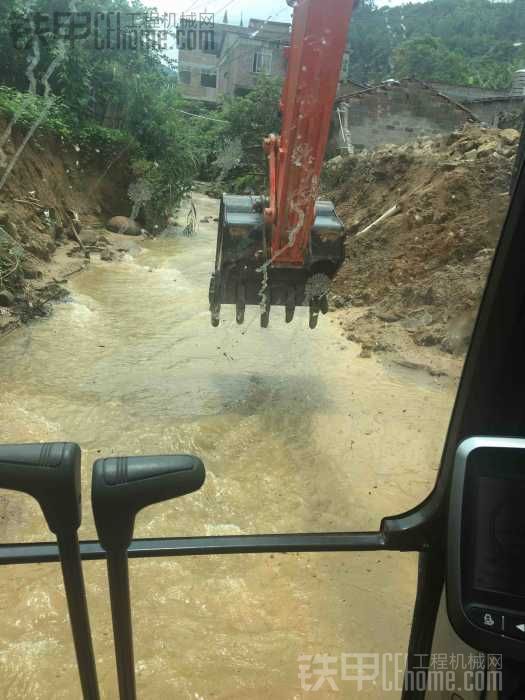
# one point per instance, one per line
(249, 8)
(277, 10)
(260, 9)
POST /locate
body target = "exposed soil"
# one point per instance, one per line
(53, 208)
(411, 285)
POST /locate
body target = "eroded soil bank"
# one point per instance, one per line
(55, 200)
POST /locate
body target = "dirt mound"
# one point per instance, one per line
(420, 270)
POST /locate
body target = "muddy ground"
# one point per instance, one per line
(298, 434)
(411, 284)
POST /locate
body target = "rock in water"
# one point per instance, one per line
(107, 255)
(172, 231)
(6, 298)
(122, 224)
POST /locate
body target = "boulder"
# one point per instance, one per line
(335, 162)
(458, 332)
(88, 236)
(465, 146)
(487, 148)
(4, 217)
(508, 152)
(6, 298)
(172, 231)
(418, 321)
(510, 136)
(123, 224)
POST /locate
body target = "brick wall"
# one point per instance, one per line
(397, 114)
(490, 111)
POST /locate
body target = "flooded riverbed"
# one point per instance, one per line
(298, 433)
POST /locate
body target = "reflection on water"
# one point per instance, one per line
(297, 433)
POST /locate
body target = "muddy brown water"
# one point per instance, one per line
(298, 434)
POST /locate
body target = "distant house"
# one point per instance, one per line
(231, 64)
(489, 106)
(398, 111)
(254, 51)
(392, 112)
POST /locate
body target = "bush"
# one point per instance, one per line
(166, 184)
(252, 183)
(104, 142)
(28, 108)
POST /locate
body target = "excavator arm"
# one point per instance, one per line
(285, 249)
(319, 38)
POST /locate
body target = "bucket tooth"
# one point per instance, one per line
(215, 305)
(265, 316)
(290, 305)
(240, 306)
(314, 313)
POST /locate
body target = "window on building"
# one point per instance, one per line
(207, 42)
(208, 80)
(185, 77)
(262, 62)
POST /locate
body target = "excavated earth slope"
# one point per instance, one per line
(414, 280)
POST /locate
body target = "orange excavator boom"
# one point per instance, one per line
(318, 43)
(284, 249)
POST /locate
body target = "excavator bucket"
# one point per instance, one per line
(245, 273)
(286, 249)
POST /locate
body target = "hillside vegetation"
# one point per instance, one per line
(104, 99)
(475, 42)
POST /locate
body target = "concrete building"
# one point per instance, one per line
(198, 60)
(229, 62)
(251, 52)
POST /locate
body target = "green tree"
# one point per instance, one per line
(486, 41)
(428, 58)
(252, 117)
(104, 98)
(248, 121)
